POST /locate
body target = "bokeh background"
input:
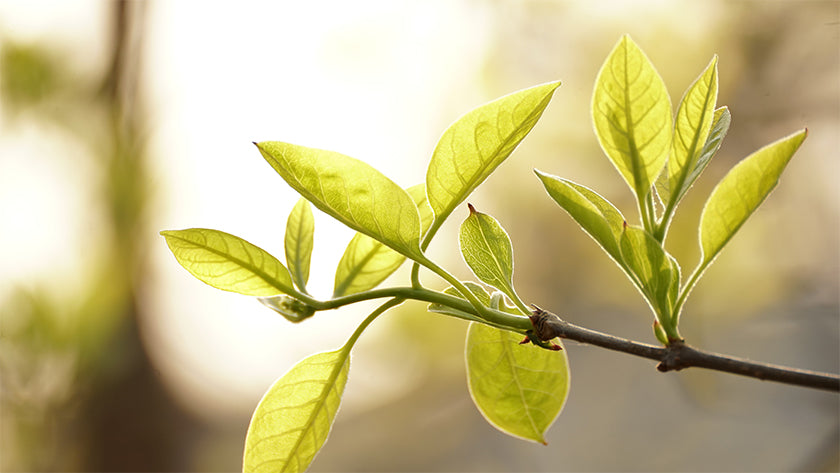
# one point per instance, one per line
(119, 119)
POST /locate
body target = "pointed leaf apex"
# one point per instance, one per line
(472, 209)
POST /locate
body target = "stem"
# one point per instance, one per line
(497, 319)
(662, 229)
(678, 356)
(479, 307)
(370, 318)
(686, 290)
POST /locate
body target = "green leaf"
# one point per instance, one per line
(654, 271)
(691, 130)
(519, 389)
(472, 147)
(631, 111)
(720, 126)
(741, 191)
(367, 262)
(290, 308)
(350, 191)
(228, 262)
(487, 250)
(300, 228)
(596, 215)
(294, 417)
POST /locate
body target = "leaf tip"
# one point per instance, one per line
(472, 209)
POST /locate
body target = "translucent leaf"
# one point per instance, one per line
(472, 147)
(691, 129)
(720, 126)
(228, 262)
(519, 389)
(294, 417)
(487, 250)
(350, 191)
(300, 228)
(597, 216)
(290, 308)
(741, 191)
(655, 272)
(631, 111)
(367, 262)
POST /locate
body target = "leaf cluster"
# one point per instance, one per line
(519, 389)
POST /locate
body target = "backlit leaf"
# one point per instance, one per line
(741, 191)
(300, 228)
(519, 389)
(654, 271)
(487, 250)
(472, 147)
(294, 417)
(228, 262)
(597, 216)
(290, 308)
(691, 129)
(367, 262)
(631, 111)
(350, 191)
(720, 126)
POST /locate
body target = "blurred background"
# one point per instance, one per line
(120, 119)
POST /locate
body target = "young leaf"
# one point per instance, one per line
(487, 250)
(654, 271)
(519, 389)
(631, 111)
(472, 147)
(350, 191)
(294, 417)
(597, 216)
(300, 228)
(720, 126)
(741, 191)
(290, 308)
(228, 262)
(691, 129)
(367, 262)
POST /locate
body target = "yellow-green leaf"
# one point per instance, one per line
(487, 250)
(290, 308)
(228, 262)
(350, 191)
(300, 228)
(631, 111)
(720, 126)
(367, 262)
(654, 271)
(741, 191)
(478, 142)
(294, 417)
(596, 215)
(519, 389)
(691, 130)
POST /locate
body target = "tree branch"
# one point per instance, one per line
(678, 355)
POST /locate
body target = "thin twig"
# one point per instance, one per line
(678, 355)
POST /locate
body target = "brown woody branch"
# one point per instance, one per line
(678, 355)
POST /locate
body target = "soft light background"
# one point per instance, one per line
(113, 358)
